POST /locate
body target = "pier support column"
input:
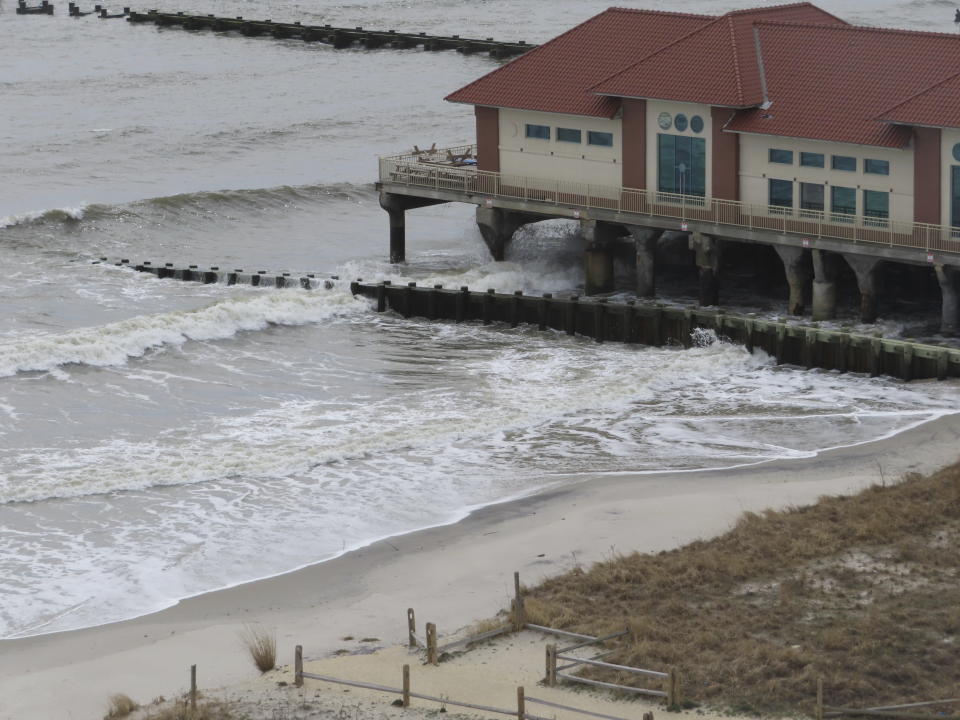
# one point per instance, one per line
(826, 268)
(707, 257)
(497, 226)
(396, 207)
(867, 270)
(798, 275)
(645, 239)
(598, 259)
(949, 278)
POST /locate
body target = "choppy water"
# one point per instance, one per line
(156, 436)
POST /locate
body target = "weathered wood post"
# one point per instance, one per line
(906, 368)
(408, 300)
(673, 687)
(943, 364)
(411, 628)
(381, 296)
(521, 704)
(818, 711)
(298, 666)
(488, 306)
(876, 356)
(780, 343)
(462, 298)
(551, 678)
(406, 686)
(544, 311)
(518, 616)
(657, 326)
(434, 296)
(432, 644)
(515, 308)
(748, 327)
(193, 687)
(630, 322)
(599, 319)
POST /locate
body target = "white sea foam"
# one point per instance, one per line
(117, 342)
(72, 213)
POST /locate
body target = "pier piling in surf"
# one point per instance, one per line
(44, 8)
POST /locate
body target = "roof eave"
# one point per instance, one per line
(903, 123)
(689, 102)
(815, 139)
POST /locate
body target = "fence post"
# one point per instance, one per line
(411, 628)
(406, 686)
(521, 704)
(818, 713)
(298, 666)
(673, 688)
(518, 618)
(551, 678)
(432, 644)
(193, 687)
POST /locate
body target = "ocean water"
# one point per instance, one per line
(156, 436)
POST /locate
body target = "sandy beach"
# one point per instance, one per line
(452, 575)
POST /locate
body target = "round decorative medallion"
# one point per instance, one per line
(665, 120)
(680, 122)
(696, 124)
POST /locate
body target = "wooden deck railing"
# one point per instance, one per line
(430, 171)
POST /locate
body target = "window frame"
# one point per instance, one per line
(772, 152)
(884, 164)
(780, 207)
(595, 134)
(805, 156)
(835, 166)
(842, 215)
(823, 197)
(530, 126)
(561, 130)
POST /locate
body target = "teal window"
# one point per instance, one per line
(781, 193)
(681, 164)
(955, 195)
(876, 204)
(696, 124)
(569, 135)
(811, 196)
(843, 200)
(538, 132)
(602, 139)
(844, 162)
(876, 167)
(811, 159)
(781, 156)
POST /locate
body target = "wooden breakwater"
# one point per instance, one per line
(657, 326)
(338, 37)
(627, 322)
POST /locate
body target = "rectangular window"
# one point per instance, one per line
(568, 135)
(844, 162)
(811, 196)
(955, 195)
(681, 165)
(843, 201)
(538, 132)
(811, 159)
(781, 193)
(781, 156)
(876, 204)
(876, 167)
(602, 139)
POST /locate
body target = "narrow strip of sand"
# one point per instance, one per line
(451, 575)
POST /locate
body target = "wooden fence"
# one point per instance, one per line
(899, 712)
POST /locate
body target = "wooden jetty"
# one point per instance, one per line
(604, 321)
(339, 37)
(44, 8)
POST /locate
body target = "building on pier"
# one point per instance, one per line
(784, 126)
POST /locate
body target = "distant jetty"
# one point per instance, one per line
(338, 37)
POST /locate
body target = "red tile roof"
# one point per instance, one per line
(715, 64)
(557, 76)
(934, 106)
(832, 82)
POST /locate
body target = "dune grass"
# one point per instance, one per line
(262, 646)
(119, 706)
(861, 591)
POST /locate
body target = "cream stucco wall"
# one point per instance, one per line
(554, 160)
(948, 139)
(756, 170)
(654, 109)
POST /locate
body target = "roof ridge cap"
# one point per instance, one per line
(850, 28)
(645, 11)
(736, 60)
(924, 91)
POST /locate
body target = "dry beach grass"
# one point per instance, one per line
(861, 591)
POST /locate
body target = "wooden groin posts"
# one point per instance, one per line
(433, 657)
(44, 8)
(298, 666)
(193, 687)
(338, 37)
(518, 612)
(656, 325)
